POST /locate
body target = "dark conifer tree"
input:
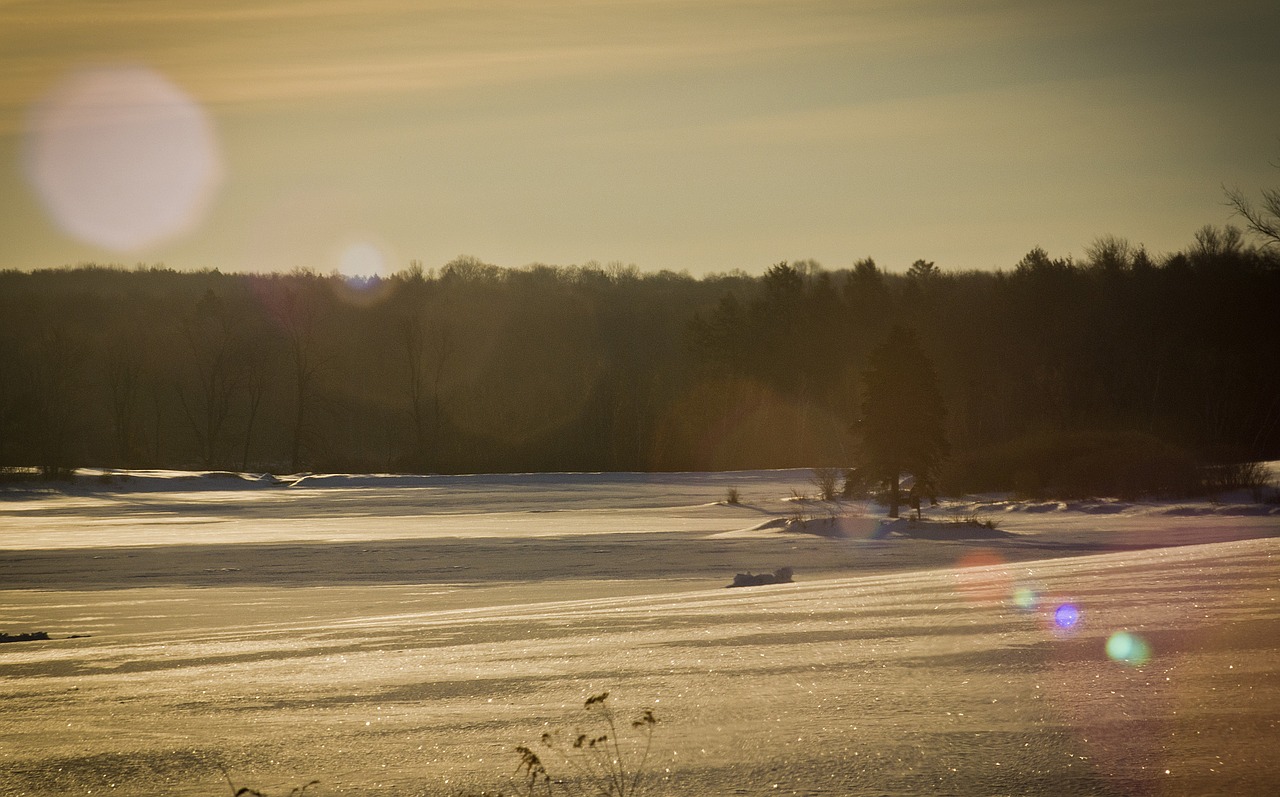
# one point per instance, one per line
(903, 421)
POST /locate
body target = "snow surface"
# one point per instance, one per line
(400, 635)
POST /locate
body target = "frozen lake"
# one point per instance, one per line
(400, 636)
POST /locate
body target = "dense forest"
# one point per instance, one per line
(475, 368)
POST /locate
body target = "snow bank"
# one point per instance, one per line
(128, 481)
(361, 480)
(757, 484)
(1240, 505)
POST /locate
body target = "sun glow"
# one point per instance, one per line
(363, 259)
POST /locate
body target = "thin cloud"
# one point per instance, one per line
(290, 51)
(469, 114)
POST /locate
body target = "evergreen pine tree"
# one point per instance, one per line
(903, 417)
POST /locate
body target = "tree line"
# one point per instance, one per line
(475, 368)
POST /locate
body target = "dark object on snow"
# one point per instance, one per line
(32, 637)
(780, 576)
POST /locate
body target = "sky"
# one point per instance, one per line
(269, 135)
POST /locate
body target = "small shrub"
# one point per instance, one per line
(825, 479)
(799, 515)
(600, 763)
(732, 497)
(1251, 476)
(976, 520)
(534, 773)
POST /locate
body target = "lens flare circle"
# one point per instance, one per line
(982, 578)
(121, 158)
(1128, 648)
(1025, 598)
(1066, 616)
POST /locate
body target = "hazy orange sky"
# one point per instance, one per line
(675, 134)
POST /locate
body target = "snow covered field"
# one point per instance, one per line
(399, 636)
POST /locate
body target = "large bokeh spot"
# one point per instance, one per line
(121, 158)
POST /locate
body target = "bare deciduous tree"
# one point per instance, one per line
(428, 346)
(124, 380)
(58, 381)
(298, 313)
(211, 345)
(1263, 220)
